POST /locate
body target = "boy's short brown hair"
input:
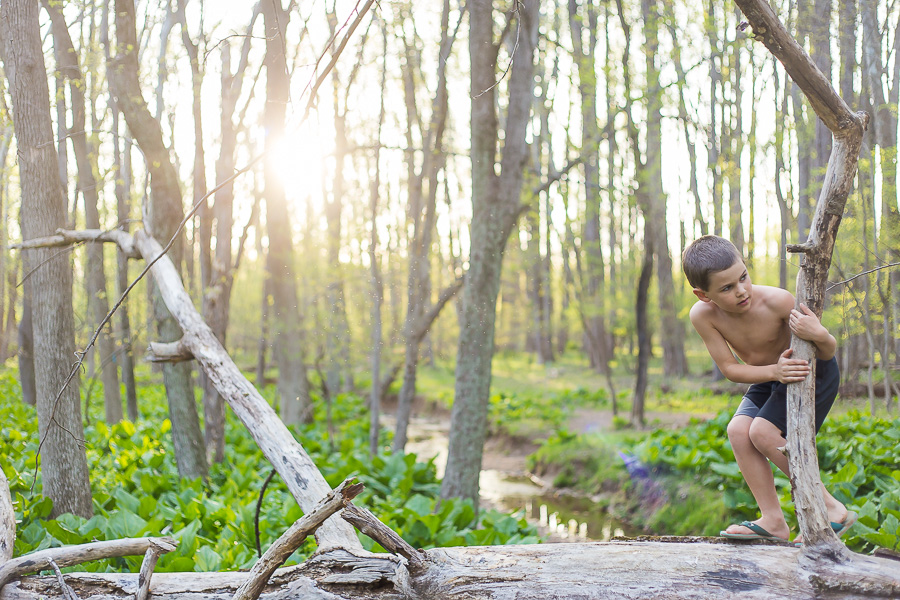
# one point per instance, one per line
(705, 255)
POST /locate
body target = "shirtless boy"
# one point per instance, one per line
(753, 323)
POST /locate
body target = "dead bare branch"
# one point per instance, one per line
(291, 539)
(67, 556)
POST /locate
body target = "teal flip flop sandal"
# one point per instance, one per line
(758, 533)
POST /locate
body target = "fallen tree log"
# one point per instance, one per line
(692, 569)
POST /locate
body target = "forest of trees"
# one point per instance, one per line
(349, 174)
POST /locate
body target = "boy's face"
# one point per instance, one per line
(730, 289)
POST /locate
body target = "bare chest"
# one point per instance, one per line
(757, 341)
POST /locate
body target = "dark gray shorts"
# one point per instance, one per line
(769, 400)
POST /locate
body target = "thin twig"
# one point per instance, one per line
(67, 592)
(262, 493)
(858, 275)
(512, 56)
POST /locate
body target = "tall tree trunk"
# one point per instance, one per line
(6, 133)
(715, 83)
(10, 315)
(638, 399)
(375, 270)
(594, 299)
(122, 170)
(422, 210)
(672, 331)
(162, 215)
(87, 187)
(495, 208)
(734, 136)
(699, 219)
(285, 325)
(885, 126)
(63, 462)
(122, 174)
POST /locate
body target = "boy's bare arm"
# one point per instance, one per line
(806, 325)
(786, 370)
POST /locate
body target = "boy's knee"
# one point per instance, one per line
(764, 434)
(738, 430)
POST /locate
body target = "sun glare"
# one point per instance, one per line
(298, 160)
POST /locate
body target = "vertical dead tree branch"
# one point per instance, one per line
(157, 547)
(847, 128)
(7, 521)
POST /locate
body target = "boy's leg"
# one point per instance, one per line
(767, 439)
(757, 473)
(767, 431)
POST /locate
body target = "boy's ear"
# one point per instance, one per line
(702, 295)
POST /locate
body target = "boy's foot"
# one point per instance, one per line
(748, 530)
(839, 527)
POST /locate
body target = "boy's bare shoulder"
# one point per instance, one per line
(702, 310)
(775, 298)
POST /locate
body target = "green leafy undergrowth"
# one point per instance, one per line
(584, 462)
(857, 456)
(137, 491)
(533, 416)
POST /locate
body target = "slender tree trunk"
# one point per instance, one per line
(595, 297)
(293, 387)
(672, 332)
(495, 204)
(123, 176)
(87, 187)
(65, 476)
(26, 346)
(6, 133)
(122, 171)
(423, 212)
(639, 397)
(713, 141)
(375, 270)
(734, 145)
(162, 214)
(819, 540)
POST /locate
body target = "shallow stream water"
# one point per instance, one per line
(564, 517)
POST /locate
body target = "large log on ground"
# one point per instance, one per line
(604, 570)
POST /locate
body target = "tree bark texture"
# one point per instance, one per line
(495, 208)
(65, 476)
(7, 521)
(25, 354)
(88, 188)
(162, 216)
(847, 128)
